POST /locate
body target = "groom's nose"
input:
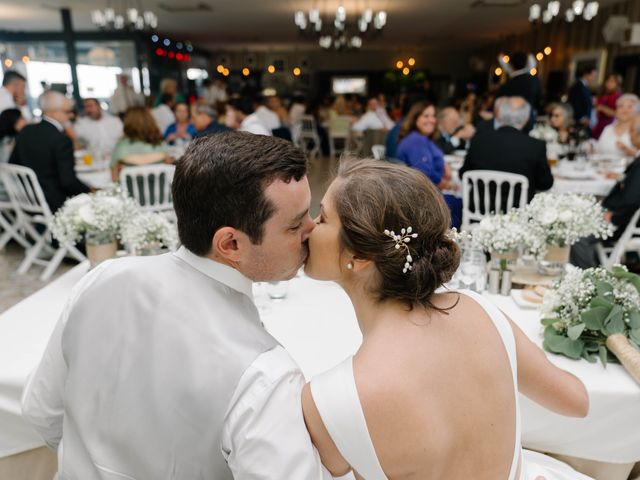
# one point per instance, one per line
(308, 226)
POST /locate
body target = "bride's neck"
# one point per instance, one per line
(370, 313)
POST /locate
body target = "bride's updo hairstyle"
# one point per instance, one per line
(373, 196)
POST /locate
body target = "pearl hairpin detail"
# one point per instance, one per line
(402, 240)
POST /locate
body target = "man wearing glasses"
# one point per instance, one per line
(46, 149)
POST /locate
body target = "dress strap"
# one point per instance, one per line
(336, 397)
(506, 334)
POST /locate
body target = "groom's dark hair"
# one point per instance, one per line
(220, 182)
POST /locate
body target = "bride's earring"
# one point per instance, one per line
(350, 266)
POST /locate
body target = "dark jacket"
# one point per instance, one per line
(581, 101)
(213, 127)
(49, 153)
(510, 150)
(444, 142)
(624, 198)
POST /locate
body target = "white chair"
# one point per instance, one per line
(32, 210)
(339, 134)
(476, 180)
(305, 135)
(150, 185)
(9, 221)
(629, 241)
(379, 152)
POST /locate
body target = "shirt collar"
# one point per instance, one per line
(218, 271)
(54, 122)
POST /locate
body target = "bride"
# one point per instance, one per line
(432, 391)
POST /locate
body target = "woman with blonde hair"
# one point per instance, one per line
(142, 143)
(615, 138)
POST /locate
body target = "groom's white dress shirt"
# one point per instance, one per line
(141, 379)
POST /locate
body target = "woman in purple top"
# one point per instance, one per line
(418, 151)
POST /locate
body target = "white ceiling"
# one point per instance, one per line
(418, 24)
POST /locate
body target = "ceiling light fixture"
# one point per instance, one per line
(129, 18)
(577, 8)
(338, 30)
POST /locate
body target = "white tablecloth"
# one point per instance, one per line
(600, 187)
(317, 325)
(96, 178)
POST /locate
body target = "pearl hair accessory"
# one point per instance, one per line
(401, 242)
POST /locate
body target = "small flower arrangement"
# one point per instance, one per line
(595, 313)
(562, 219)
(545, 132)
(149, 231)
(499, 233)
(99, 215)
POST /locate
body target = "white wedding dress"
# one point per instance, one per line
(336, 398)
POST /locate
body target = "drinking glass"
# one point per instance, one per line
(473, 270)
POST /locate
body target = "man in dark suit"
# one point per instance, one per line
(453, 134)
(45, 148)
(509, 149)
(205, 121)
(580, 96)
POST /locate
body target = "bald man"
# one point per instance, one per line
(45, 148)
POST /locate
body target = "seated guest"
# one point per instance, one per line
(561, 119)
(44, 148)
(494, 122)
(418, 151)
(240, 116)
(275, 117)
(621, 203)
(453, 133)
(11, 122)
(615, 137)
(205, 121)
(297, 110)
(509, 149)
(99, 130)
(163, 113)
(142, 142)
(374, 118)
(182, 129)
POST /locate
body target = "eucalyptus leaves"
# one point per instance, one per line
(585, 310)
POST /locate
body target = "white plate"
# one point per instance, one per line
(522, 302)
(81, 167)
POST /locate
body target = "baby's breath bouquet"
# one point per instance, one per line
(148, 231)
(545, 132)
(595, 312)
(501, 235)
(99, 215)
(562, 219)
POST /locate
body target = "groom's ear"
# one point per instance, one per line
(224, 245)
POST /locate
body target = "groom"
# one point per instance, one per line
(159, 367)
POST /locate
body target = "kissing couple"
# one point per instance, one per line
(159, 367)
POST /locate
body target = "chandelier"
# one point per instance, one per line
(338, 31)
(578, 8)
(129, 18)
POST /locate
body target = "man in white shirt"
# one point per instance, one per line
(374, 118)
(268, 117)
(163, 113)
(240, 115)
(124, 96)
(159, 366)
(12, 93)
(99, 130)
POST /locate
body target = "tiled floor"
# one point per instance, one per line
(14, 288)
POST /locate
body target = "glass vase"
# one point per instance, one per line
(554, 261)
(504, 260)
(100, 246)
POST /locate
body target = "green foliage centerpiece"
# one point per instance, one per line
(595, 313)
